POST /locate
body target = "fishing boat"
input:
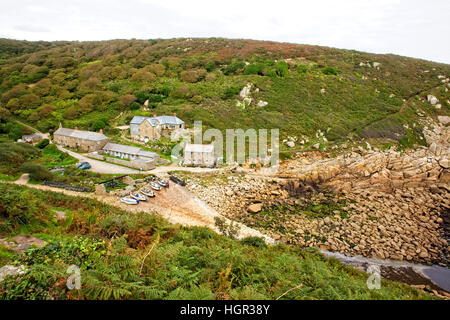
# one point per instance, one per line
(147, 192)
(139, 197)
(155, 186)
(162, 183)
(129, 200)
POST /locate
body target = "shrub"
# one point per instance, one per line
(42, 144)
(19, 207)
(233, 68)
(37, 171)
(142, 75)
(135, 106)
(231, 92)
(257, 242)
(100, 124)
(329, 71)
(230, 230)
(302, 69)
(271, 73)
(197, 99)
(210, 77)
(126, 100)
(182, 92)
(257, 68)
(192, 75)
(141, 96)
(210, 66)
(282, 68)
(155, 98)
(15, 133)
(13, 155)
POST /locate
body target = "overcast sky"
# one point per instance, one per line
(415, 28)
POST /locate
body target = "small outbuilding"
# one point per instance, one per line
(199, 155)
(32, 138)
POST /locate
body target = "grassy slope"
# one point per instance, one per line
(356, 101)
(12, 48)
(185, 263)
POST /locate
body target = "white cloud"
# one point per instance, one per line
(406, 27)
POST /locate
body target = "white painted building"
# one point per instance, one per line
(199, 155)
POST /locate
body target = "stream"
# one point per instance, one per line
(436, 277)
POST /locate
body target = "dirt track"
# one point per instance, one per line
(176, 204)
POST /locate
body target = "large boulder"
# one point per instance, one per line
(444, 163)
(432, 99)
(255, 208)
(100, 189)
(444, 120)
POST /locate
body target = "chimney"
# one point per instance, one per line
(154, 115)
(174, 114)
(100, 131)
(76, 128)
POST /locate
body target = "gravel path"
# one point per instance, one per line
(176, 204)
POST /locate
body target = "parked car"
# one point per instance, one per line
(177, 180)
(83, 165)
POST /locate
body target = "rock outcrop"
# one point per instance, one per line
(388, 204)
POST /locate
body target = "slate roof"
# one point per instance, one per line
(135, 151)
(199, 148)
(148, 154)
(115, 147)
(31, 136)
(154, 120)
(80, 134)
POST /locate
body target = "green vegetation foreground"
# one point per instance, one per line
(124, 255)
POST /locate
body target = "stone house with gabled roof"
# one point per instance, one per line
(80, 140)
(199, 155)
(152, 128)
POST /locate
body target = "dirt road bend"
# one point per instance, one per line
(176, 204)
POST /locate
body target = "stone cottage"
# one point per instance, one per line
(32, 138)
(80, 140)
(152, 128)
(199, 155)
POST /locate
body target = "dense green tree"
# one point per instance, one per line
(126, 100)
(99, 124)
(134, 106)
(15, 132)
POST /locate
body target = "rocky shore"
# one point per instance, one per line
(388, 204)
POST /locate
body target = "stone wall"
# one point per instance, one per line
(79, 144)
(136, 163)
(96, 156)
